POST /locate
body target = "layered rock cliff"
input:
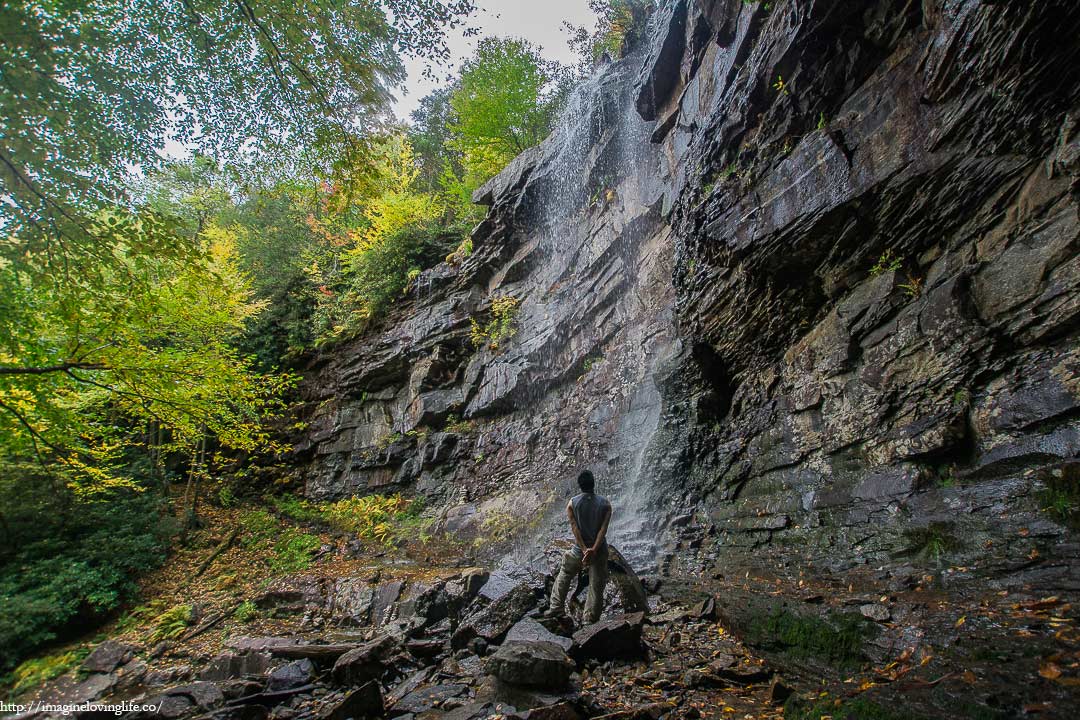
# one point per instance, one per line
(798, 280)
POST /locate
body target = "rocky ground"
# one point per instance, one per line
(388, 633)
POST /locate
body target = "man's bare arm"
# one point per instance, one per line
(575, 528)
(603, 531)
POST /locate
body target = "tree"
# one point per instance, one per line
(401, 232)
(93, 291)
(147, 340)
(93, 88)
(620, 27)
(504, 103)
(429, 134)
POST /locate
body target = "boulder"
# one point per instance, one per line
(706, 609)
(527, 699)
(364, 702)
(564, 710)
(616, 639)
(383, 601)
(477, 711)
(876, 612)
(425, 699)
(351, 600)
(535, 663)
(366, 662)
(228, 666)
(495, 620)
(290, 675)
(244, 643)
(473, 580)
(529, 630)
(177, 702)
(108, 656)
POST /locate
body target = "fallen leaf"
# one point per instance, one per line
(1043, 604)
(969, 677)
(961, 621)
(1049, 670)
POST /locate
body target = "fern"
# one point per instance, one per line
(172, 623)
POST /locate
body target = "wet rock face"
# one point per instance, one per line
(806, 270)
(878, 269)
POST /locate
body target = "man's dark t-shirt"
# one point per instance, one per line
(589, 512)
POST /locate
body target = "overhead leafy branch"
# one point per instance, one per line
(90, 90)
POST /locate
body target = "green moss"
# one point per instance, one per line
(36, 671)
(246, 612)
(855, 709)
(932, 543)
(288, 549)
(1060, 497)
(837, 640)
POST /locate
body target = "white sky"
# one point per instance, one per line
(538, 21)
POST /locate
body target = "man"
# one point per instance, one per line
(589, 515)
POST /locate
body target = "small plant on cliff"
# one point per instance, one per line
(292, 551)
(821, 121)
(913, 287)
(387, 440)
(888, 262)
(932, 542)
(500, 327)
(454, 424)
(780, 86)
(1060, 498)
(462, 251)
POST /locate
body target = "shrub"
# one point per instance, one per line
(387, 519)
(64, 568)
(500, 327)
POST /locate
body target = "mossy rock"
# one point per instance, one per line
(835, 638)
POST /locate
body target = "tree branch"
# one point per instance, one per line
(46, 369)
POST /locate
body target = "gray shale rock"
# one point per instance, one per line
(290, 675)
(365, 701)
(108, 656)
(534, 663)
(616, 639)
(366, 662)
